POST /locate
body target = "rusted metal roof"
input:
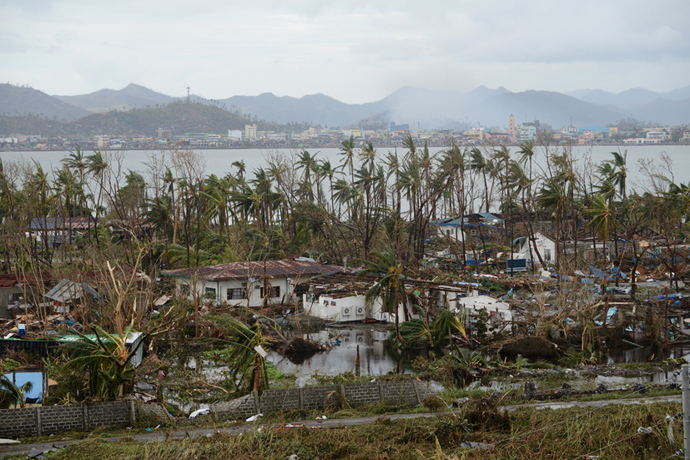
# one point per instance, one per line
(246, 270)
(13, 280)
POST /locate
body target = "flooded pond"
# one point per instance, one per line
(377, 357)
(375, 354)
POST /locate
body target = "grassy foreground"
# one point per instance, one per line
(524, 434)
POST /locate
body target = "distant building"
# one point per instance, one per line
(528, 132)
(499, 137)
(102, 141)
(235, 135)
(570, 130)
(661, 135)
(511, 128)
(641, 140)
(473, 134)
(250, 132)
(402, 127)
(164, 134)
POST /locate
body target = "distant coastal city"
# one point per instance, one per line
(626, 133)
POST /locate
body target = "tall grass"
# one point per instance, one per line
(526, 434)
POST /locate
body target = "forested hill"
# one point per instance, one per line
(18, 101)
(180, 117)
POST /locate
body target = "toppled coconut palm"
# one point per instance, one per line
(298, 349)
(530, 346)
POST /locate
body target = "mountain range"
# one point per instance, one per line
(415, 106)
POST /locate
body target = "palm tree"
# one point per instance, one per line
(244, 351)
(241, 168)
(307, 161)
(97, 165)
(106, 360)
(328, 171)
(620, 173)
(391, 287)
(552, 197)
(218, 193)
(11, 393)
(76, 161)
(479, 163)
(348, 151)
(602, 220)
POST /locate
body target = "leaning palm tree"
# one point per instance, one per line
(391, 287)
(620, 174)
(552, 197)
(77, 161)
(602, 218)
(480, 164)
(11, 393)
(97, 165)
(446, 325)
(245, 347)
(348, 151)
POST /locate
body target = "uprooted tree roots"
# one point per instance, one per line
(298, 350)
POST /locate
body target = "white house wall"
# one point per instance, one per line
(450, 231)
(253, 300)
(353, 308)
(496, 308)
(545, 246)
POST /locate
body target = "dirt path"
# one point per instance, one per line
(163, 435)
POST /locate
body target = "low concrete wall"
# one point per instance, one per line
(44, 420)
(408, 392)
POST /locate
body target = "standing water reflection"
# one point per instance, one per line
(375, 354)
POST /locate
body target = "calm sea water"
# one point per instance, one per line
(220, 162)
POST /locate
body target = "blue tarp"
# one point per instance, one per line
(675, 296)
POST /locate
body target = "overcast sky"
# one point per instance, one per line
(353, 50)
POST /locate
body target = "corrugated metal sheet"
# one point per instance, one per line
(68, 291)
(246, 270)
(59, 223)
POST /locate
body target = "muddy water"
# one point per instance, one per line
(375, 354)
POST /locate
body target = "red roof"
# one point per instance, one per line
(13, 280)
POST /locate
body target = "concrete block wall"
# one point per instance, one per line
(315, 397)
(113, 413)
(237, 408)
(15, 423)
(56, 419)
(409, 392)
(44, 420)
(424, 390)
(152, 414)
(400, 393)
(362, 393)
(277, 400)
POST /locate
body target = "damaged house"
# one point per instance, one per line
(248, 284)
(342, 298)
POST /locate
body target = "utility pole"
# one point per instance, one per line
(686, 408)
